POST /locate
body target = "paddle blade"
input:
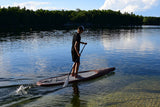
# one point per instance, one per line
(66, 82)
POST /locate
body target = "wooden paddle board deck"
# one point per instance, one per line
(82, 76)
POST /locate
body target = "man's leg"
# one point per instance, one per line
(73, 69)
(76, 68)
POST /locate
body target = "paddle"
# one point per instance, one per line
(67, 79)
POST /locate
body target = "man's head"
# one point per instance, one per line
(80, 29)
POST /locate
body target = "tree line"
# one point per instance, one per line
(22, 17)
(151, 20)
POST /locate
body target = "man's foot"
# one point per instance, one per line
(77, 76)
(72, 74)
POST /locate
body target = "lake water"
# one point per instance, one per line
(26, 57)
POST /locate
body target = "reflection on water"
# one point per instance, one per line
(27, 57)
(130, 41)
(75, 99)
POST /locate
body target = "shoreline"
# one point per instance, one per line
(66, 27)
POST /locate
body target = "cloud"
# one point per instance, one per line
(33, 5)
(128, 5)
(127, 41)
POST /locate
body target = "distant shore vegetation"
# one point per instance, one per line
(16, 17)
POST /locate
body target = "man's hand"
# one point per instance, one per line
(85, 43)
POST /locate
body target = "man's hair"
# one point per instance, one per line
(81, 28)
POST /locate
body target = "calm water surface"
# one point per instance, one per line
(27, 57)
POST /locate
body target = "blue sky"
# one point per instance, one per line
(139, 7)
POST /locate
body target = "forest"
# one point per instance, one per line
(151, 20)
(16, 17)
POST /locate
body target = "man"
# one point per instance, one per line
(75, 51)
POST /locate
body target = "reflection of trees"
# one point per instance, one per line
(126, 39)
(118, 34)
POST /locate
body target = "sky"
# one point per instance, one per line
(138, 7)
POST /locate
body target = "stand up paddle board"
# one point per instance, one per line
(82, 76)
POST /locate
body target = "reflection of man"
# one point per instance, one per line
(75, 100)
(75, 50)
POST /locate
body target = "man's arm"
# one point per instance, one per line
(75, 47)
(84, 43)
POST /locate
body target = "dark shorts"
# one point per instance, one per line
(75, 57)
